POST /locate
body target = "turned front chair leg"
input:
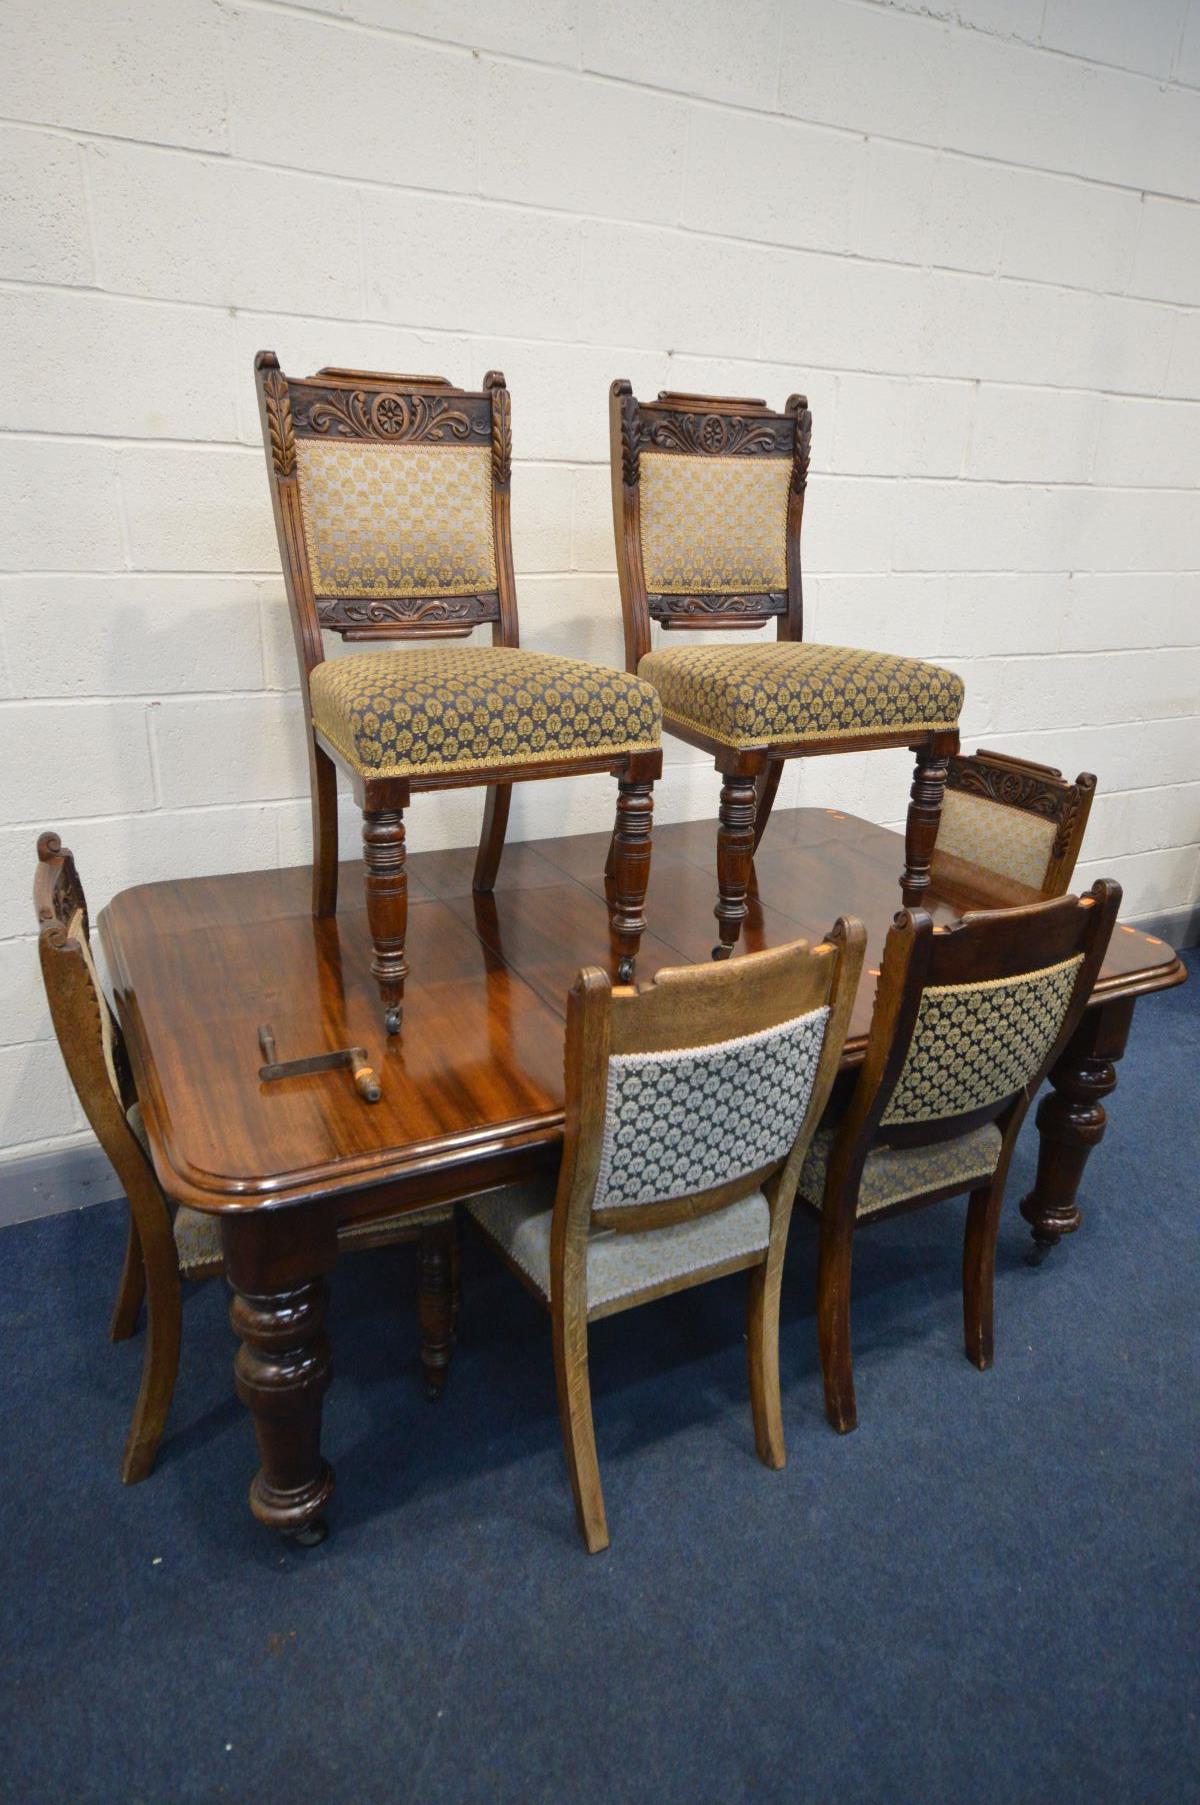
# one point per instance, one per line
(491, 839)
(921, 827)
(436, 1303)
(630, 855)
(735, 853)
(387, 908)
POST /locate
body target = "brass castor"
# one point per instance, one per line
(311, 1535)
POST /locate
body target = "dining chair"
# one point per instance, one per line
(1021, 820)
(689, 1106)
(166, 1244)
(708, 500)
(391, 497)
(968, 1020)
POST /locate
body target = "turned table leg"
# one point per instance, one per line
(1071, 1119)
(276, 1262)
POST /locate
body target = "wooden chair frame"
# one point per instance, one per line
(993, 944)
(746, 427)
(83, 1022)
(686, 1006)
(1039, 790)
(398, 409)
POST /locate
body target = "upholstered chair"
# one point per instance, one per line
(967, 1022)
(689, 1107)
(391, 498)
(708, 499)
(1022, 821)
(167, 1244)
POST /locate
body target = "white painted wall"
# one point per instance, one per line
(973, 237)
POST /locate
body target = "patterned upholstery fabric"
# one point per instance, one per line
(894, 1174)
(1012, 841)
(397, 520)
(714, 525)
(470, 708)
(756, 694)
(979, 1043)
(619, 1265)
(680, 1122)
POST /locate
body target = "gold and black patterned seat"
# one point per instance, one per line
(968, 1021)
(461, 709)
(708, 499)
(391, 498)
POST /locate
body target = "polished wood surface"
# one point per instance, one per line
(473, 1092)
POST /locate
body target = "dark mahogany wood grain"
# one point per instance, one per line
(473, 1091)
(475, 1085)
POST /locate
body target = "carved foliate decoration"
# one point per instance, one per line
(501, 438)
(715, 435)
(757, 607)
(1066, 826)
(629, 441)
(801, 449)
(338, 613)
(279, 423)
(399, 419)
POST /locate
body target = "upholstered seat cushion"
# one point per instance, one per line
(464, 708)
(621, 1264)
(766, 694)
(894, 1174)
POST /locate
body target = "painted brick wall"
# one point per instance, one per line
(970, 230)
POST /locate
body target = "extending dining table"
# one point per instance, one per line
(472, 1087)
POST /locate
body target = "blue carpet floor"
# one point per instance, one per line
(986, 1594)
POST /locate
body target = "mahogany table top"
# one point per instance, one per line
(472, 1087)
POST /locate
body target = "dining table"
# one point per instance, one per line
(471, 1089)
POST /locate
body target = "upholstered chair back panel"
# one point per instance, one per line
(1012, 841)
(977, 1044)
(714, 525)
(397, 520)
(687, 1121)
